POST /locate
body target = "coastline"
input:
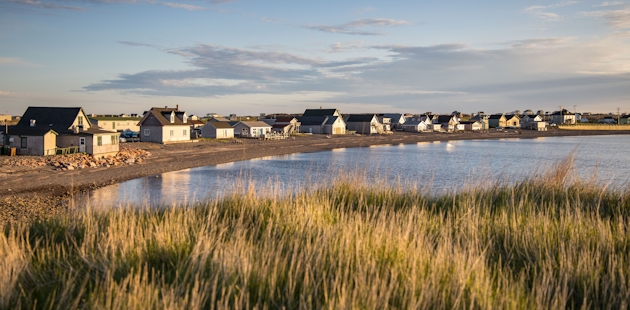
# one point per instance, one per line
(39, 192)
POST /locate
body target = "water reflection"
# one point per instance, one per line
(430, 166)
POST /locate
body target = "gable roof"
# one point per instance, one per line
(496, 116)
(444, 118)
(222, 125)
(284, 119)
(312, 120)
(255, 124)
(51, 118)
(360, 118)
(319, 112)
(331, 120)
(163, 116)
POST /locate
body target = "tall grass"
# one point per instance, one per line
(546, 242)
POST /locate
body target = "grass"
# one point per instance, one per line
(546, 242)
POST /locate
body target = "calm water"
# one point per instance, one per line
(433, 166)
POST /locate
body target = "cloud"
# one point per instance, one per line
(614, 18)
(352, 27)
(131, 43)
(363, 10)
(46, 5)
(608, 3)
(6, 93)
(14, 61)
(539, 11)
(188, 7)
(533, 73)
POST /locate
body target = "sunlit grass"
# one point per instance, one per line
(547, 242)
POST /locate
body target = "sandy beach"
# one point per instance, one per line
(35, 192)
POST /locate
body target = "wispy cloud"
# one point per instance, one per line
(608, 3)
(14, 61)
(353, 27)
(46, 5)
(6, 93)
(614, 18)
(184, 6)
(540, 11)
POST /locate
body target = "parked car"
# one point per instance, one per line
(129, 134)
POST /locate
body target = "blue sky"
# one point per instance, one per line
(251, 57)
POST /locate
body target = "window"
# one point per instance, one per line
(114, 140)
(147, 132)
(172, 132)
(99, 141)
(184, 132)
(172, 118)
(23, 142)
(80, 120)
(113, 125)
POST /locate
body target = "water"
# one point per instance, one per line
(433, 166)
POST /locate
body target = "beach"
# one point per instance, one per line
(28, 193)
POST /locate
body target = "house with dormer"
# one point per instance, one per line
(165, 125)
(49, 130)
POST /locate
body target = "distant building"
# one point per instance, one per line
(165, 125)
(116, 123)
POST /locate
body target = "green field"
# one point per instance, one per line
(541, 243)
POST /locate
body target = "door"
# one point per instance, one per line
(82, 144)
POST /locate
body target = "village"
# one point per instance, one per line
(48, 131)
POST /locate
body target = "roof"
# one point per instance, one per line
(496, 116)
(359, 118)
(312, 120)
(163, 116)
(29, 131)
(46, 118)
(444, 118)
(331, 120)
(319, 112)
(220, 125)
(255, 124)
(394, 116)
(284, 119)
(196, 122)
(412, 122)
(218, 119)
(468, 122)
(280, 125)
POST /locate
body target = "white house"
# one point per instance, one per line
(251, 129)
(165, 125)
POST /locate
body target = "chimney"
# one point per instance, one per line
(166, 107)
(177, 107)
(32, 123)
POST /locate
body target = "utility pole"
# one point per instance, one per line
(574, 114)
(618, 115)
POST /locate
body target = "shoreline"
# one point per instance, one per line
(44, 190)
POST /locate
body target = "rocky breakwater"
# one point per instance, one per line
(82, 161)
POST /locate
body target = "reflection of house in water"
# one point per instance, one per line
(172, 188)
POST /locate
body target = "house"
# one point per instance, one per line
(512, 121)
(563, 117)
(335, 125)
(414, 125)
(387, 123)
(116, 122)
(483, 119)
(321, 112)
(312, 124)
(251, 129)
(286, 124)
(397, 119)
(165, 125)
(497, 120)
(448, 122)
(608, 120)
(364, 124)
(217, 130)
(47, 130)
(195, 123)
(471, 125)
(527, 120)
(624, 119)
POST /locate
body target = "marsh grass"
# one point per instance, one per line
(547, 242)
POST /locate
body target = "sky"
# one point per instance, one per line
(249, 57)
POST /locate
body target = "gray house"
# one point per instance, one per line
(217, 130)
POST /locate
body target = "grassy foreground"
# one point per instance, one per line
(538, 244)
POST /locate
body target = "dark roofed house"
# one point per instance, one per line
(286, 125)
(312, 124)
(46, 130)
(165, 125)
(321, 112)
(364, 124)
(497, 120)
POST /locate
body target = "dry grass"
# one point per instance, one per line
(541, 243)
